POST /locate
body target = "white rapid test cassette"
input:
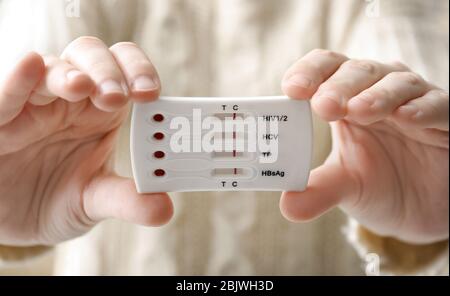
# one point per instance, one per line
(221, 143)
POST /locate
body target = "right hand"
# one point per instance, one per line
(59, 119)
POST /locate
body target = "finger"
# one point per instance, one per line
(93, 57)
(327, 187)
(62, 80)
(18, 86)
(304, 77)
(380, 100)
(429, 111)
(352, 77)
(141, 75)
(116, 197)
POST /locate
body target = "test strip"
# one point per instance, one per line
(279, 160)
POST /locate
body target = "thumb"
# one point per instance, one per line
(111, 196)
(327, 187)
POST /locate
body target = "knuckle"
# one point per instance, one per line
(335, 87)
(377, 94)
(412, 78)
(408, 77)
(393, 76)
(367, 66)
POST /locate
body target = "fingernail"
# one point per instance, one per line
(72, 74)
(111, 86)
(144, 83)
(300, 80)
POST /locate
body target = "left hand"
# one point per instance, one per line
(388, 167)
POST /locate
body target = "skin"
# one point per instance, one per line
(59, 118)
(388, 167)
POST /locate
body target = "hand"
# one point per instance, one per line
(59, 118)
(388, 167)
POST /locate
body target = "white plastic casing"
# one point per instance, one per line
(219, 171)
